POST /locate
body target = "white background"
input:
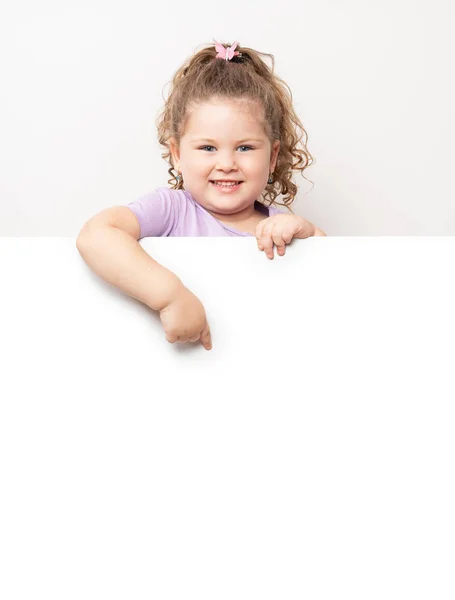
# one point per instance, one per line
(82, 83)
(310, 454)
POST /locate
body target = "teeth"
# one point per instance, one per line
(226, 184)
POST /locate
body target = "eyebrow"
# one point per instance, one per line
(214, 141)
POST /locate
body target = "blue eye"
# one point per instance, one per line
(202, 147)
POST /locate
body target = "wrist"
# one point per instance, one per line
(166, 288)
(173, 291)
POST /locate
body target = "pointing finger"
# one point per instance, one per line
(206, 337)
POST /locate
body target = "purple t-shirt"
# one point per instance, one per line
(166, 212)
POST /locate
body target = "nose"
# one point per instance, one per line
(226, 161)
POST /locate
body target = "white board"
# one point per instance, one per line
(308, 454)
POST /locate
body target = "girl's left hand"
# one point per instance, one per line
(280, 229)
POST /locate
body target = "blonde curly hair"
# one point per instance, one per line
(203, 78)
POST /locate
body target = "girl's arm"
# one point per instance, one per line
(109, 245)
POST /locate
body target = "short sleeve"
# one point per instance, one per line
(156, 213)
(275, 210)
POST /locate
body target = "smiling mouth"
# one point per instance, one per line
(225, 183)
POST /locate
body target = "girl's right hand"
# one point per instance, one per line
(184, 319)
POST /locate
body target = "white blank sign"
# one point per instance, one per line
(309, 454)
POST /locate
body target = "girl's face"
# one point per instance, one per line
(225, 141)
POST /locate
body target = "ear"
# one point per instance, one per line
(274, 154)
(175, 152)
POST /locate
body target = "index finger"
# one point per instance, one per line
(259, 227)
(206, 337)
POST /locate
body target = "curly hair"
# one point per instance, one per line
(203, 78)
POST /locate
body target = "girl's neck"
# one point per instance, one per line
(243, 216)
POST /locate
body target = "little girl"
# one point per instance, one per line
(229, 130)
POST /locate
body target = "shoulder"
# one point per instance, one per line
(158, 211)
(279, 210)
(159, 195)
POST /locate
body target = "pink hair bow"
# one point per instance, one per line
(226, 53)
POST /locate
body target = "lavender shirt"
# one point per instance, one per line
(166, 212)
